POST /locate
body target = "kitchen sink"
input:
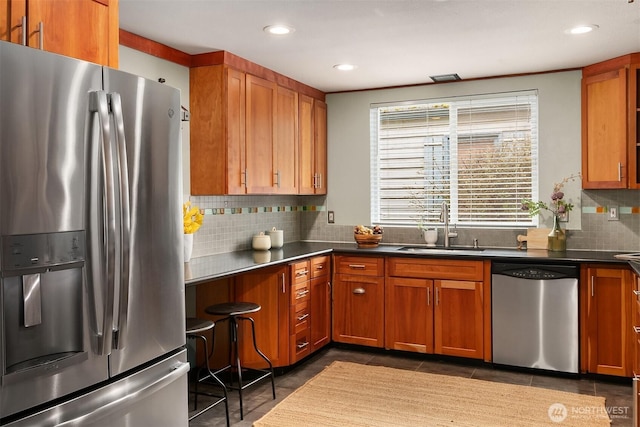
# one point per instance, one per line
(439, 250)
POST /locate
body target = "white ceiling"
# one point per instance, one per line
(392, 42)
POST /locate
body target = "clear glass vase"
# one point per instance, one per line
(557, 237)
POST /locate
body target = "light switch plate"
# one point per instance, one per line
(330, 217)
(613, 213)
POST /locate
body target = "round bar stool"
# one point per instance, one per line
(196, 330)
(235, 312)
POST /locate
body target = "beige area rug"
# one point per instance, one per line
(351, 394)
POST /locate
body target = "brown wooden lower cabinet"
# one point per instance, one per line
(606, 298)
(270, 288)
(358, 310)
(409, 314)
(434, 316)
(435, 306)
(320, 329)
(358, 300)
(458, 318)
(295, 315)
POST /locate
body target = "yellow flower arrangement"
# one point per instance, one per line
(192, 218)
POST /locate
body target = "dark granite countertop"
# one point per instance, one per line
(218, 266)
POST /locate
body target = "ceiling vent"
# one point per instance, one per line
(445, 78)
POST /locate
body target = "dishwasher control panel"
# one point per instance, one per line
(534, 272)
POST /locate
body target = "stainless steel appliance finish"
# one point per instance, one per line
(91, 272)
(535, 316)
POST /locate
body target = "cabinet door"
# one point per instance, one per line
(320, 146)
(320, 302)
(269, 288)
(234, 120)
(458, 318)
(409, 314)
(286, 142)
(259, 134)
(312, 133)
(83, 29)
(11, 13)
(320, 312)
(604, 122)
(217, 155)
(358, 310)
(305, 141)
(609, 335)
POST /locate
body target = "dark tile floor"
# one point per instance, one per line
(258, 399)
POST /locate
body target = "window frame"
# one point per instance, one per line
(513, 98)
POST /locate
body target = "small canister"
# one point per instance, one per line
(277, 238)
(261, 242)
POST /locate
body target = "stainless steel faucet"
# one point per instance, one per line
(444, 217)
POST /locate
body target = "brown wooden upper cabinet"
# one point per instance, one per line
(610, 114)
(251, 135)
(82, 29)
(313, 145)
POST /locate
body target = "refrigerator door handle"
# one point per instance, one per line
(101, 237)
(125, 220)
(142, 391)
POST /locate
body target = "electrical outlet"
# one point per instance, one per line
(330, 217)
(614, 214)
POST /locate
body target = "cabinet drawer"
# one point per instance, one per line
(319, 266)
(299, 293)
(362, 266)
(300, 317)
(435, 268)
(300, 345)
(300, 272)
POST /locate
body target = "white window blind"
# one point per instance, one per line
(478, 154)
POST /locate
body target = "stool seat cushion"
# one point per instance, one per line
(232, 308)
(197, 326)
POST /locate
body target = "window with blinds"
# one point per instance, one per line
(478, 154)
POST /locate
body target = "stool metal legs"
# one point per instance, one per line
(208, 375)
(233, 331)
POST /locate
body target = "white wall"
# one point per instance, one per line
(559, 128)
(153, 68)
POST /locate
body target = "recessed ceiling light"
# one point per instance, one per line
(582, 29)
(344, 67)
(278, 30)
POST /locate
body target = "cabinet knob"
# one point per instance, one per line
(359, 291)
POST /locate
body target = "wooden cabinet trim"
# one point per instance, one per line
(241, 64)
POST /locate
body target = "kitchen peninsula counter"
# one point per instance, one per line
(218, 266)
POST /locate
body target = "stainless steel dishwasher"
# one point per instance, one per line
(535, 315)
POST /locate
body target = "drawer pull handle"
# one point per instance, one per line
(304, 316)
(302, 345)
(302, 273)
(357, 266)
(319, 267)
(636, 293)
(359, 291)
(636, 329)
(302, 294)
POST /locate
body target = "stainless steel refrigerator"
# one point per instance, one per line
(92, 308)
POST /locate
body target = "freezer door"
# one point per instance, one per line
(149, 317)
(155, 396)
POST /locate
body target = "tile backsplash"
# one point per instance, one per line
(231, 221)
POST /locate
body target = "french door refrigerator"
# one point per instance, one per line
(92, 311)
